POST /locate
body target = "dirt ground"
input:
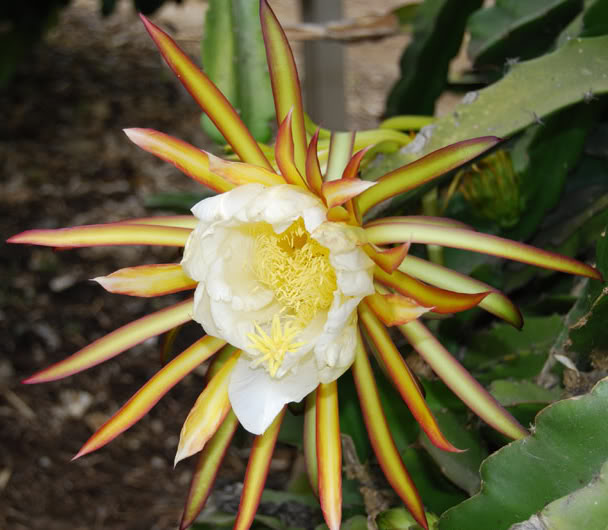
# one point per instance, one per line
(64, 161)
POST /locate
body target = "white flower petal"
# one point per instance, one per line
(202, 311)
(355, 283)
(227, 206)
(230, 300)
(257, 398)
(342, 353)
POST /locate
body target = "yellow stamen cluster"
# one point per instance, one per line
(274, 347)
(296, 269)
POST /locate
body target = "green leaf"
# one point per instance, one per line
(543, 157)
(591, 22)
(575, 72)
(504, 351)
(565, 451)
(461, 468)
(584, 325)
(401, 519)
(514, 29)
(509, 393)
(583, 508)
(292, 430)
(438, 31)
(576, 223)
(588, 334)
(437, 492)
(595, 19)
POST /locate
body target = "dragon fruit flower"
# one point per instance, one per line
(286, 277)
(281, 283)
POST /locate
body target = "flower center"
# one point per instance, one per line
(297, 270)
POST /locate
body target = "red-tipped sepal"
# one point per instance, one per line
(462, 383)
(424, 170)
(284, 80)
(209, 97)
(381, 438)
(441, 300)
(207, 413)
(206, 469)
(284, 153)
(402, 378)
(352, 168)
(116, 342)
(398, 230)
(151, 393)
(185, 157)
(103, 235)
(257, 470)
(393, 309)
(309, 441)
(147, 280)
(495, 302)
(314, 177)
(329, 454)
(337, 192)
(388, 259)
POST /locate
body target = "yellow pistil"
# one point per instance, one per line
(274, 347)
(296, 268)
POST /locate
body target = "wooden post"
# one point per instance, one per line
(324, 95)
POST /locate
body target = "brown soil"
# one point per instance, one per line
(66, 162)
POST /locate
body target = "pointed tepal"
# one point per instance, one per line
(185, 157)
(463, 384)
(388, 259)
(257, 470)
(209, 97)
(399, 229)
(285, 81)
(314, 176)
(402, 378)
(208, 412)
(380, 435)
(207, 468)
(337, 192)
(151, 393)
(284, 153)
(424, 170)
(147, 280)
(395, 309)
(104, 235)
(329, 454)
(437, 275)
(116, 342)
(441, 300)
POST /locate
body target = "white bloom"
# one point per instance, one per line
(280, 282)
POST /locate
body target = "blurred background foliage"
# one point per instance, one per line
(23, 24)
